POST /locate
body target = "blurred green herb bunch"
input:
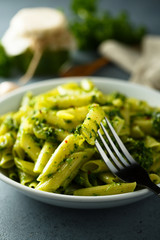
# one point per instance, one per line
(91, 26)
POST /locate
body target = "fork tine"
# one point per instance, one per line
(121, 158)
(105, 158)
(121, 145)
(118, 164)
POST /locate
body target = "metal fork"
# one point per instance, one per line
(127, 169)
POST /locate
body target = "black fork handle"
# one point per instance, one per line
(153, 187)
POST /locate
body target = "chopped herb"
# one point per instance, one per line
(8, 154)
(11, 123)
(140, 152)
(113, 113)
(93, 131)
(119, 95)
(69, 160)
(50, 175)
(90, 135)
(75, 146)
(78, 129)
(43, 130)
(156, 121)
(68, 121)
(93, 98)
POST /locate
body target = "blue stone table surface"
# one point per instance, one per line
(22, 218)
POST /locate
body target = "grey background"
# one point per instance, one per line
(22, 218)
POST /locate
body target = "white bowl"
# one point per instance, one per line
(11, 102)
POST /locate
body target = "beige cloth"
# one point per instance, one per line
(144, 66)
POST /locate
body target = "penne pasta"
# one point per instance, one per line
(109, 189)
(44, 155)
(68, 145)
(94, 166)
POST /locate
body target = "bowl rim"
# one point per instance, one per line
(72, 198)
(56, 81)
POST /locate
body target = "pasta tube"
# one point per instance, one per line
(95, 166)
(69, 145)
(7, 160)
(90, 125)
(25, 178)
(25, 166)
(44, 155)
(30, 146)
(109, 189)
